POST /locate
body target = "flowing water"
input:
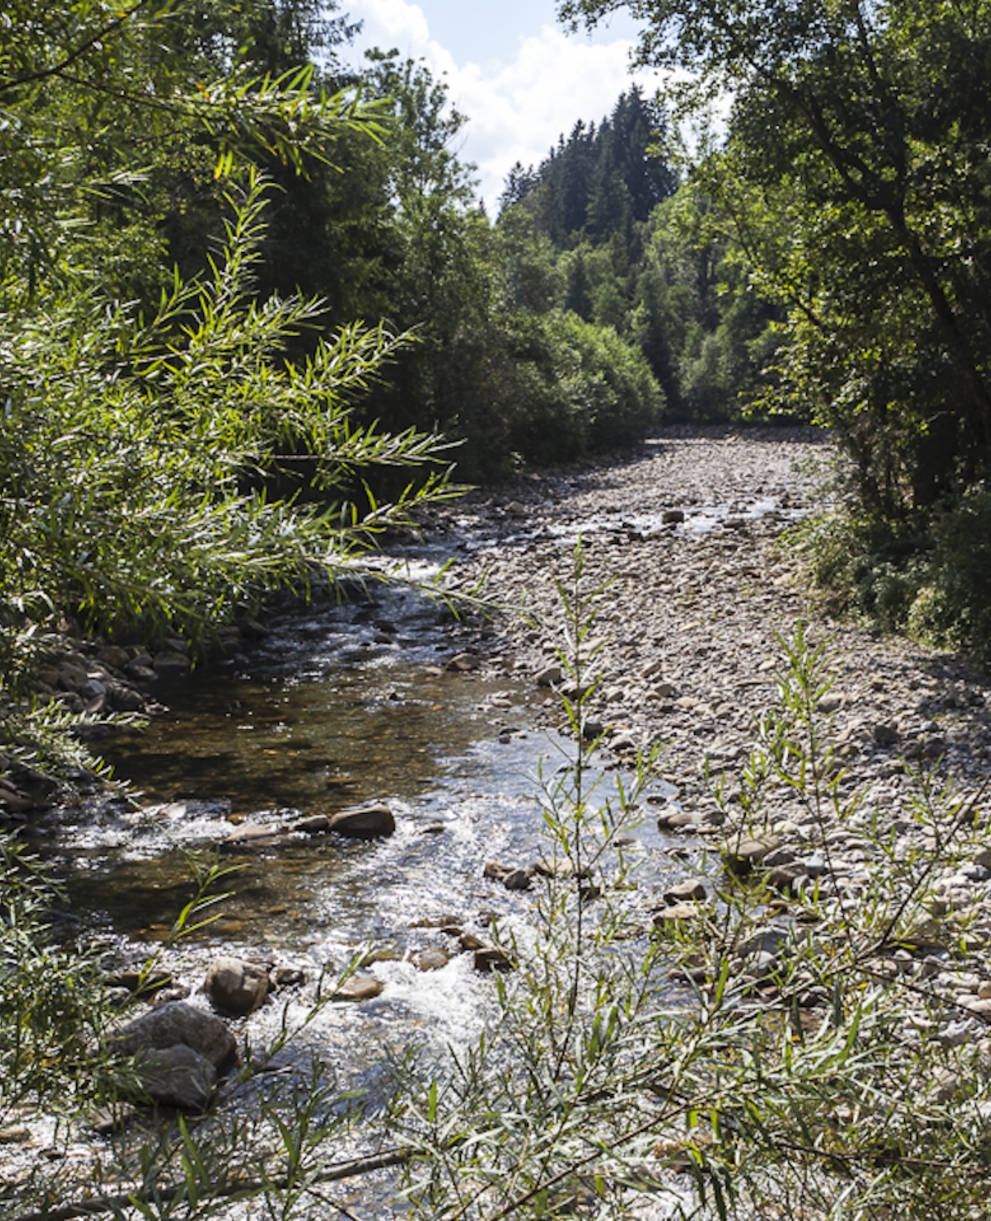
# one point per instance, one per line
(337, 706)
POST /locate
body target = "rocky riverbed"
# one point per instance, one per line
(698, 594)
(699, 589)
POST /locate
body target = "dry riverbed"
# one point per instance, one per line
(699, 589)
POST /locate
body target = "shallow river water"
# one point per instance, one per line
(337, 706)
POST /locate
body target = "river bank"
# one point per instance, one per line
(685, 539)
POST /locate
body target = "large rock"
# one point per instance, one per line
(363, 822)
(178, 1022)
(742, 855)
(235, 986)
(177, 1076)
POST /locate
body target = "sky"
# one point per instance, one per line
(511, 68)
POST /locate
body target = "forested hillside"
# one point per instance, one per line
(638, 246)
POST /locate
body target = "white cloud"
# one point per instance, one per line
(516, 108)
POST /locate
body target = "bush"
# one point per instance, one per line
(576, 388)
(931, 577)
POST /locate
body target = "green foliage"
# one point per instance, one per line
(857, 191)
(52, 1005)
(800, 1067)
(929, 579)
(572, 388)
(168, 456)
(664, 272)
(601, 180)
(128, 449)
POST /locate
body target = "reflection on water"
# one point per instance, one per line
(337, 708)
(341, 707)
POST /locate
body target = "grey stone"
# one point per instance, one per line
(364, 822)
(885, 735)
(358, 988)
(177, 1076)
(743, 855)
(433, 958)
(178, 1022)
(549, 676)
(691, 890)
(254, 835)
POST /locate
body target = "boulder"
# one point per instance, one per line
(235, 986)
(177, 1076)
(363, 822)
(178, 1022)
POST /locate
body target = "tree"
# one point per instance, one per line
(854, 173)
(140, 442)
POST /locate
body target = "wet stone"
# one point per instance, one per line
(254, 835)
(135, 980)
(235, 986)
(288, 977)
(314, 824)
(491, 958)
(676, 819)
(554, 867)
(549, 676)
(358, 988)
(364, 822)
(178, 1022)
(885, 735)
(463, 662)
(433, 958)
(177, 1076)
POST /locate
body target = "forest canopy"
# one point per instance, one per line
(853, 183)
